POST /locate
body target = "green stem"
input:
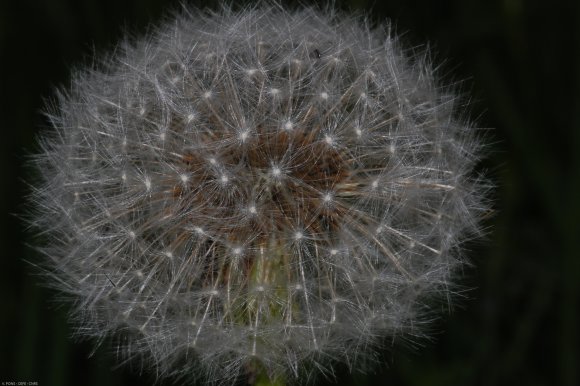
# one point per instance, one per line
(268, 269)
(264, 380)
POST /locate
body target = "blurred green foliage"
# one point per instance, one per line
(518, 61)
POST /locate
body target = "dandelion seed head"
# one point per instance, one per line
(262, 187)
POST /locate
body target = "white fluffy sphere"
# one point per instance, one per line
(256, 189)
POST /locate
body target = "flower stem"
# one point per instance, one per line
(258, 375)
(264, 380)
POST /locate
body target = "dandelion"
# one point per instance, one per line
(257, 193)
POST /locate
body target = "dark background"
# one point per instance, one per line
(520, 62)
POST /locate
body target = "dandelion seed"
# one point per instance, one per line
(244, 135)
(327, 197)
(147, 183)
(329, 140)
(214, 292)
(276, 172)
